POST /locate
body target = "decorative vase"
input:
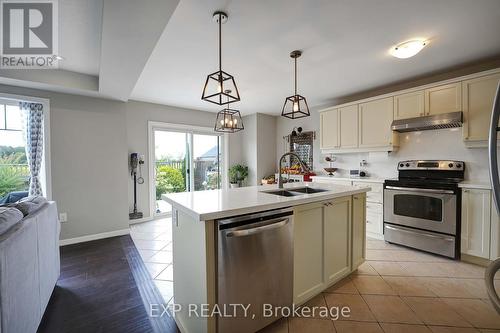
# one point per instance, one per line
(234, 185)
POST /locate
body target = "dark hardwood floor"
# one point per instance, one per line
(104, 287)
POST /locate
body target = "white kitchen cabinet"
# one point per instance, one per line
(329, 129)
(308, 251)
(329, 243)
(374, 220)
(478, 97)
(443, 99)
(358, 230)
(409, 105)
(375, 119)
(476, 222)
(374, 209)
(337, 238)
(348, 126)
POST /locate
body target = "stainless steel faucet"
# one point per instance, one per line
(302, 165)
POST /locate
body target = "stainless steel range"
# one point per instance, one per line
(422, 208)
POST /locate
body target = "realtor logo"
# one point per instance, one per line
(28, 34)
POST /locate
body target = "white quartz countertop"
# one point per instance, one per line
(216, 204)
(360, 179)
(475, 184)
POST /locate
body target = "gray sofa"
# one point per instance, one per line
(29, 267)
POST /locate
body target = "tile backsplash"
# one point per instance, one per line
(435, 144)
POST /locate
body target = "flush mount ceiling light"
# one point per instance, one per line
(228, 120)
(219, 82)
(295, 106)
(408, 49)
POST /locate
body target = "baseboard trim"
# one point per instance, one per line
(474, 260)
(373, 235)
(88, 238)
(144, 219)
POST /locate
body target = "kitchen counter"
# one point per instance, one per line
(475, 185)
(216, 204)
(360, 179)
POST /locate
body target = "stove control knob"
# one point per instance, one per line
(401, 165)
(458, 165)
(450, 165)
(407, 165)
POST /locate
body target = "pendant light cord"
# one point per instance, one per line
(220, 42)
(295, 75)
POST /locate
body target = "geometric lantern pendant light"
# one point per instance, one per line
(228, 120)
(218, 83)
(295, 106)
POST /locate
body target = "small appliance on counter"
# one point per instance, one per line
(422, 208)
(357, 173)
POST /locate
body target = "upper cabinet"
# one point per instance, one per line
(349, 126)
(329, 129)
(443, 99)
(478, 97)
(358, 127)
(410, 105)
(375, 119)
(473, 94)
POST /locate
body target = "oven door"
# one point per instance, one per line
(429, 209)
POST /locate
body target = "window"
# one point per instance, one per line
(14, 171)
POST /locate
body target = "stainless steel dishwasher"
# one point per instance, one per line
(254, 267)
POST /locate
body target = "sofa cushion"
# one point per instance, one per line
(30, 205)
(9, 216)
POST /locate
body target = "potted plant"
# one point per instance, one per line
(237, 174)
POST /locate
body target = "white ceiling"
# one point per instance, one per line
(345, 44)
(80, 25)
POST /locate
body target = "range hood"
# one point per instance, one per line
(439, 121)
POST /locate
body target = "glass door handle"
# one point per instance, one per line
(492, 147)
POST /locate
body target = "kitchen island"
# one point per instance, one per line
(260, 245)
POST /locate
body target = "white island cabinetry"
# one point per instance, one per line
(327, 242)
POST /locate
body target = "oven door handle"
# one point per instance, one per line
(420, 190)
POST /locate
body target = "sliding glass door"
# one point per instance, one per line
(183, 160)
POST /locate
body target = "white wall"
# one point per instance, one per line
(266, 146)
(258, 146)
(436, 144)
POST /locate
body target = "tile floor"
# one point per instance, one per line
(395, 290)
(153, 240)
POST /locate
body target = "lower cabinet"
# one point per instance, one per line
(307, 251)
(329, 243)
(337, 238)
(358, 230)
(476, 222)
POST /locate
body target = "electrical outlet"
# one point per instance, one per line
(63, 217)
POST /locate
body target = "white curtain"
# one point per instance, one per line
(34, 143)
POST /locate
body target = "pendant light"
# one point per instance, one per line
(219, 82)
(228, 120)
(295, 106)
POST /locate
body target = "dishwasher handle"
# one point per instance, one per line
(273, 224)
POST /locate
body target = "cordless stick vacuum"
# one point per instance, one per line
(135, 162)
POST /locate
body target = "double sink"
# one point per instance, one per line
(295, 191)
